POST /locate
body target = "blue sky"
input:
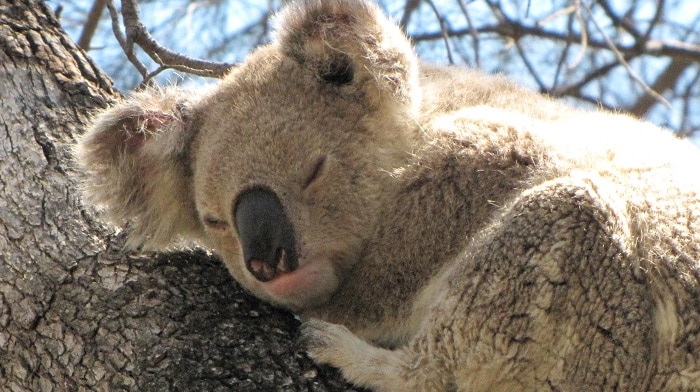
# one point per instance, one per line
(201, 30)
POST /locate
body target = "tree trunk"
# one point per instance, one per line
(75, 313)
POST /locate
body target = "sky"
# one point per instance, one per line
(227, 32)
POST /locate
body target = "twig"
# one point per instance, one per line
(529, 66)
(667, 78)
(621, 58)
(655, 20)
(575, 89)
(619, 22)
(443, 28)
(685, 128)
(472, 32)
(684, 50)
(554, 15)
(563, 57)
(584, 35)
(127, 45)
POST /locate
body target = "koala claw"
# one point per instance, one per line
(362, 363)
(324, 341)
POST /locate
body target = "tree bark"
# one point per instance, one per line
(76, 314)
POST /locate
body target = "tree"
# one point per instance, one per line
(75, 313)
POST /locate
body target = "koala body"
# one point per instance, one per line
(439, 229)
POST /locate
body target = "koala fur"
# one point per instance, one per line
(449, 230)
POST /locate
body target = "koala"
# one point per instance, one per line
(436, 228)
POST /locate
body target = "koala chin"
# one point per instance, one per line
(438, 229)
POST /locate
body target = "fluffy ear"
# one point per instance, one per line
(351, 42)
(135, 158)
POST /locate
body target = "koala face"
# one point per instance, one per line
(286, 178)
(283, 168)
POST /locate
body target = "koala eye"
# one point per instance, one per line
(316, 171)
(215, 223)
(339, 72)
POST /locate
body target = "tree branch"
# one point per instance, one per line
(655, 20)
(93, 19)
(667, 79)
(137, 34)
(621, 58)
(515, 30)
(127, 47)
(620, 22)
(443, 28)
(472, 32)
(408, 9)
(575, 89)
(686, 127)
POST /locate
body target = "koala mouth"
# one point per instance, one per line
(266, 234)
(264, 271)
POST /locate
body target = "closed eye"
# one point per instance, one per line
(316, 172)
(215, 223)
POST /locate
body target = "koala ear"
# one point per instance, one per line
(135, 158)
(351, 42)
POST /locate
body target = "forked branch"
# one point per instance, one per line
(136, 34)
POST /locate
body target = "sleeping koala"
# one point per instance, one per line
(439, 229)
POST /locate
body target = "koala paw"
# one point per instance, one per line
(325, 342)
(360, 362)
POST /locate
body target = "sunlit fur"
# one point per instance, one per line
(462, 234)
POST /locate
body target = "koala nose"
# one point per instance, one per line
(266, 234)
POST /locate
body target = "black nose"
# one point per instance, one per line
(265, 233)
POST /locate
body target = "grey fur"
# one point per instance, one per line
(468, 234)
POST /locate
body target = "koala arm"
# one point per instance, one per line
(550, 296)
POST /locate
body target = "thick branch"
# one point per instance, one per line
(93, 19)
(408, 9)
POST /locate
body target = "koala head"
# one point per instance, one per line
(284, 167)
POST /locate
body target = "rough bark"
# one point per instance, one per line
(77, 314)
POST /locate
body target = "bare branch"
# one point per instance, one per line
(554, 15)
(574, 90)
(655, 20)
(247, 30)
(137, 34)
(563, 57)
(127, 47)
(515, 30)
(667, 79)
(584, 35)
(686, 128)
(472, 32)
(576, 11)
(93, 19)
(408, 9)
(621, 59)
(618, 21)
(533, 71)
(443, 28)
